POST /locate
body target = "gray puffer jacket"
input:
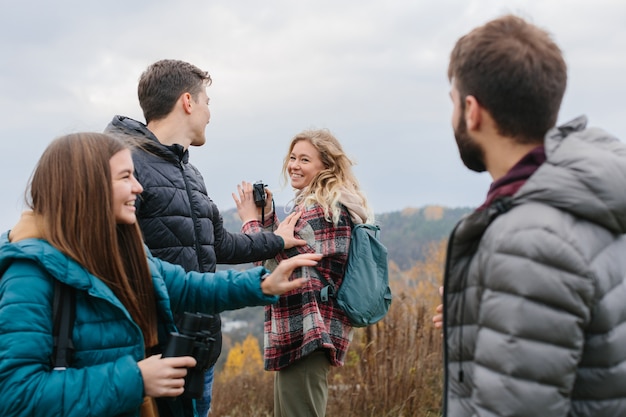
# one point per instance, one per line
(534, 290)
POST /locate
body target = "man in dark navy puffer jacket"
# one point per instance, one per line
(179, 221)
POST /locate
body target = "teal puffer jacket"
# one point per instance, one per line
(104, 379)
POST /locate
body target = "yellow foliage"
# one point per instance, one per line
(243, 358)
(409, 211)
(433, 212)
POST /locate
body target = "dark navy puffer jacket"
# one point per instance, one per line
(189, 229)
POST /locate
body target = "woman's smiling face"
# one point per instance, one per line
(304, 164)
(125, 187)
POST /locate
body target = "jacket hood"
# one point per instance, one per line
(138, 134)
(57, 264)
(584, 174)
(126, 127)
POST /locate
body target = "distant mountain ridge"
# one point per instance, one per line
(406, 233)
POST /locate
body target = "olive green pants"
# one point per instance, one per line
(301, 389)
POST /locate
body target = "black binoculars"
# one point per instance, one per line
(194, 339)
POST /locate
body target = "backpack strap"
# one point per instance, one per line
(329, 289)
(63, 316)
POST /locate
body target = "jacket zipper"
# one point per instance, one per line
(445, 320)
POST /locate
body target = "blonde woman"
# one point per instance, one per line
(305, 336)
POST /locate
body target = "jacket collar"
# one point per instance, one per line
(583, 174)
(138, 133)
(516, 177)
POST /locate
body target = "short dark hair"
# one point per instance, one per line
(514, 70)
(163, 82)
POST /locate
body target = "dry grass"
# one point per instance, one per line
(393, 370)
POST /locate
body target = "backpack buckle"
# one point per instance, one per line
(326, 292)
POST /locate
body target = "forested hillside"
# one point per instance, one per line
(408, 233)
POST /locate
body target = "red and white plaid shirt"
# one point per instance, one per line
(300, 322)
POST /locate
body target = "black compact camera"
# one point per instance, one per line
(260, 196)
(194, 339)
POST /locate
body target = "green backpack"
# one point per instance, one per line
(364, 294)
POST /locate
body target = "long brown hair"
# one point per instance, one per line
(71, 191)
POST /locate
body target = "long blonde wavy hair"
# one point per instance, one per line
(331, 183)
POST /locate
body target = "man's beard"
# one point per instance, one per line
(471, 153)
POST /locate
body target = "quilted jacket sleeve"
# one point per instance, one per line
(211, 292)
(536, 300)
(238, 248)
(28, 385)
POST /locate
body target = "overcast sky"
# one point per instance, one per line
(372, 71)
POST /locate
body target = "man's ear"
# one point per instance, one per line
(187, 102)
(473, 113)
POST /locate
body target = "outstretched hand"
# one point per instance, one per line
(438, 318)
(286, 230)
(278, 283)
(165, 377)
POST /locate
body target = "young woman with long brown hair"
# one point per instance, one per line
(82, 231)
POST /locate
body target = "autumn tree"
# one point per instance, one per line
(244, 358)
(243, 388)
